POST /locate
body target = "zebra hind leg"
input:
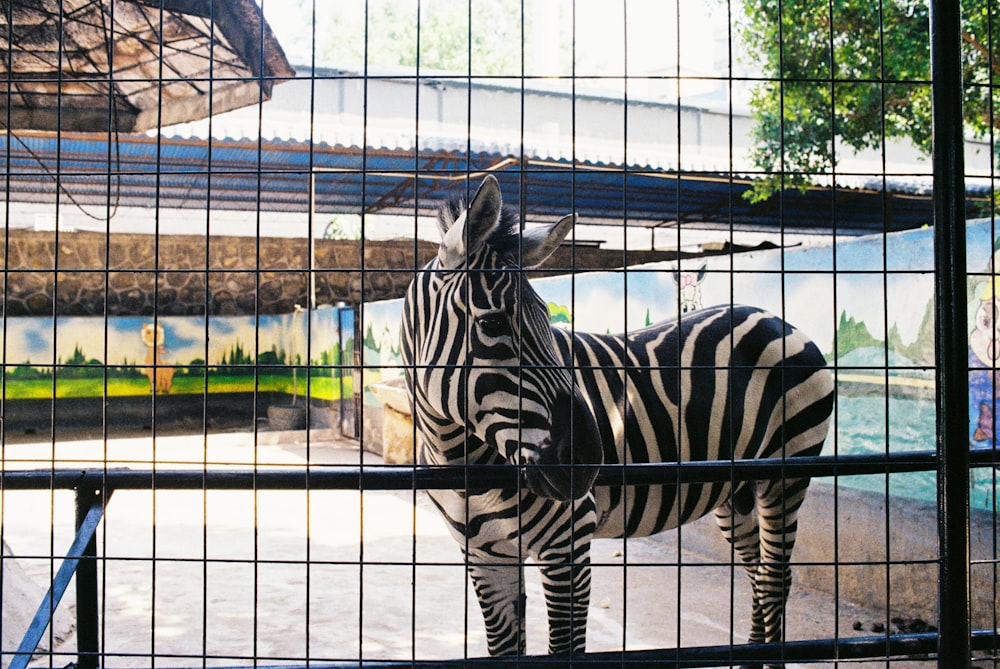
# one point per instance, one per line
(737, 519)
(777, 505)
(761, 521)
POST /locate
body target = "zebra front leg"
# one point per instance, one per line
(566, 583)
(499, 584)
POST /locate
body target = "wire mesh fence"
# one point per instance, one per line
(231, 439)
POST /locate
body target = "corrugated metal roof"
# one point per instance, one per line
(274, 175)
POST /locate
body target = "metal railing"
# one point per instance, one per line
(95, 487)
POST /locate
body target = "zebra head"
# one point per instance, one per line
(487, 381)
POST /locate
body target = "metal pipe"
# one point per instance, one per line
(952, 345)
(887, 646)
(87, 612)
(407, 477)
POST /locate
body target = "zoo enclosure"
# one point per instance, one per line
(952, 460)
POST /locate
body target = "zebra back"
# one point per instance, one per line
(721, 383)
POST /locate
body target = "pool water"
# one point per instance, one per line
(871, 424)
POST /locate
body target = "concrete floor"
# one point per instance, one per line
(279, 576)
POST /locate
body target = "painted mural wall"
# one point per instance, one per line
(867, 302)
(123, 356)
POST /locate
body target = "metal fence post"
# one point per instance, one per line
(952, 345)
(87, 621)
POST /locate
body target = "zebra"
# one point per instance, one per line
(492, 383)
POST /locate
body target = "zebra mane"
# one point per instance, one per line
(505, 238)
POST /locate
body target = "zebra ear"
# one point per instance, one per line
(538, 243)
(467, 233)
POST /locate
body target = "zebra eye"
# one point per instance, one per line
(493, 325)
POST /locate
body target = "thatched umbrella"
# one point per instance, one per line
(132, 65)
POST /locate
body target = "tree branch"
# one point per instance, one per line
(971, 40)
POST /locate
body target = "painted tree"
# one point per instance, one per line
(853, 74)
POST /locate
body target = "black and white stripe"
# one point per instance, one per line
(492, 383)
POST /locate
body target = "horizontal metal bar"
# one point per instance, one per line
(59, 584)
(888, 646)
(407, 477)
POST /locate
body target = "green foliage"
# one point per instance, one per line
(236, 371)
(272, 357)
(369, 341)
(237, 362)
(446, 41)
(28, 372)
(194, 369)
(921, 350)
(340, 228)
(127, 370)
(78, 358)
(852, 73)
(852, 334)
(77, 366)
(320, 386)
(559, 314)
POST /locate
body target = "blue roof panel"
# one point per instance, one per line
(274, 175)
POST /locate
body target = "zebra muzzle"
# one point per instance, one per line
(569, 462)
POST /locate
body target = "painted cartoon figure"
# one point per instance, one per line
(161, 377)
(984, 354)
(689, 288)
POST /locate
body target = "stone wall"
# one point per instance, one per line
(93, 274)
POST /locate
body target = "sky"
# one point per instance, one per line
(601, 27)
